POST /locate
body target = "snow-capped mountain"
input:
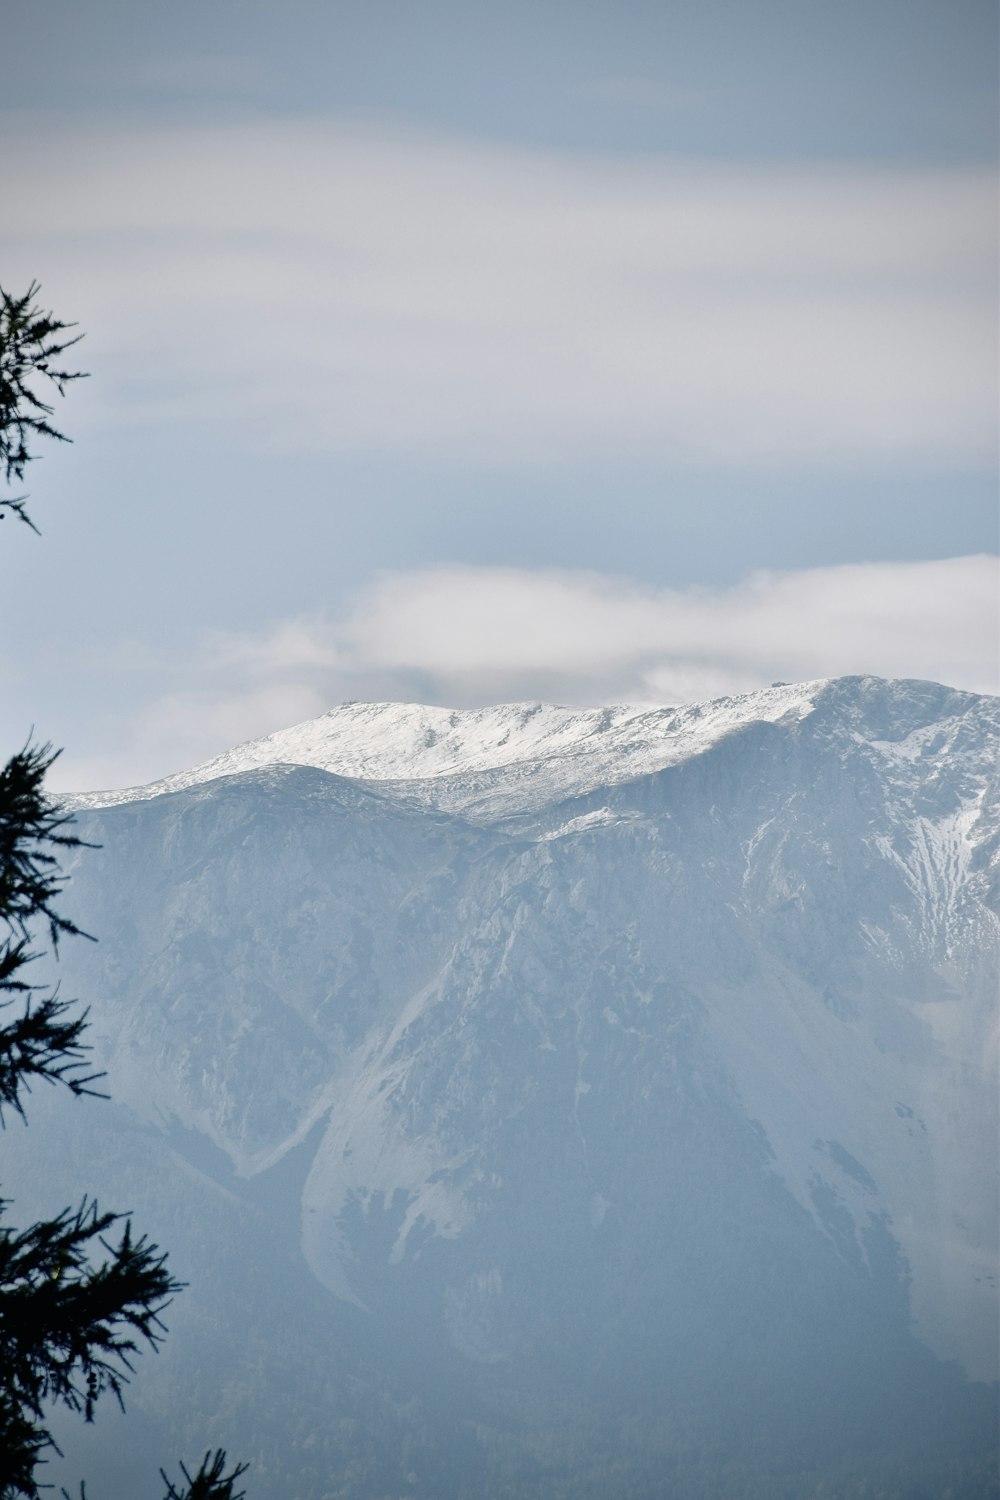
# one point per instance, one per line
(481, 761)
(623, 1044)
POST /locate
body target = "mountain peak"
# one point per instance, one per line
(444, 755)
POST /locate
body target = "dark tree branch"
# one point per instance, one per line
(211, 1481)
(76, 1307)
(31, 341)
(70, 1326)
(30, 826)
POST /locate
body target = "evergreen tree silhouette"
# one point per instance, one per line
(80, 1296)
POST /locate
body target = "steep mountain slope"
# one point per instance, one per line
(628, 1056)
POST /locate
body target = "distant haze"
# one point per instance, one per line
(587, 1103)
(472, 636)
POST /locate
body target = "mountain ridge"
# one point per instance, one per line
(787, 900)
(569, 750)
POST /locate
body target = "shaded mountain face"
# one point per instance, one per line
(644, 1060)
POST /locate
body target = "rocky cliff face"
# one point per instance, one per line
(622, 1047)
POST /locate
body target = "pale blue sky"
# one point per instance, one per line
(590, 303)
(894, 80)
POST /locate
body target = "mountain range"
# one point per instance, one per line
(558, 1101)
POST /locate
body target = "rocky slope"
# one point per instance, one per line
(648, 1050)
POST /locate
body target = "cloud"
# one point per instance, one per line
(339, 286)
(469, 636)
(184, 726)
(462, 628)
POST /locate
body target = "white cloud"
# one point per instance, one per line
(470, 636)
(183, 726)
(458, 627)
(338, 286)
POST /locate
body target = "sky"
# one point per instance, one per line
(463, 353)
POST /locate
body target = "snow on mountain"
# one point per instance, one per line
(544, 750)
(673, 996)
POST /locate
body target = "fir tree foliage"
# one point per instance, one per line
(80, 1295)
(32, 343)
(211, 1481)
(43, 1038)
